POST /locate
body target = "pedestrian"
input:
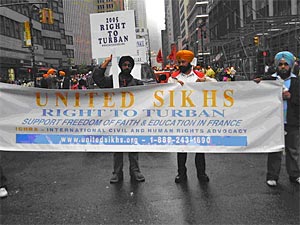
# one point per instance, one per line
(284, 62)
(187, 74)
(210, 72)
(3, 188)
(44, 81)
(126, 63)
(52, 79)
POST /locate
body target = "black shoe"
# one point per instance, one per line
(116, 178)
(137, 176)
(295, 180)
(180, 178)
(203, 177)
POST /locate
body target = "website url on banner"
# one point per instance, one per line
(131, 140)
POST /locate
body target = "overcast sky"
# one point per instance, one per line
(156, 22)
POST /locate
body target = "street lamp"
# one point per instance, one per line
(201, 25)
(31, 9)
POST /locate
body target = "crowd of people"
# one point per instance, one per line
(284, 65)
(285, 68)
(55, 79)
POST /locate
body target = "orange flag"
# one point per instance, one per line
(159, 57)
(172, 55)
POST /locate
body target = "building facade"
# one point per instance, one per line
(184, 25)
(248, 33)
(47, 42)
(77, 23)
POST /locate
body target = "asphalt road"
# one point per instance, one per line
(74, 188)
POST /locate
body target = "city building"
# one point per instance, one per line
(107, 5)
(248, 33)
(77, 24)
(186, 22)
(197, 28)
(183, 13)
(26, 43)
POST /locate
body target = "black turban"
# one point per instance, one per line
(126, 58)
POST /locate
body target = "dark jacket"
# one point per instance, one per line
(103, 81)
(293, 103)
(44, 83)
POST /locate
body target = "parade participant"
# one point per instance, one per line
(284, 62)
(3, 191)
(44, 81)
(61, 78)
(126, 63)
(186, 74)
(210, 72)
(52, 79)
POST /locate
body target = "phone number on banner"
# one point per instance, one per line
(131, 140)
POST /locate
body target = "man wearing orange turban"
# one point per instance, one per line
(186, 55)
(51, 71)
(44, 81)
(52, 79)
(187, 74)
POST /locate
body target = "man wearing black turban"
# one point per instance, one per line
(126, 64)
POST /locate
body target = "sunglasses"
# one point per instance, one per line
(283, 64)
(127, 64)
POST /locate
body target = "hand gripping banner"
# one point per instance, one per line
(221, 117)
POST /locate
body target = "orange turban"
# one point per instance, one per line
(185, 55)
(45, 75)
(51, 71)
(62, 73)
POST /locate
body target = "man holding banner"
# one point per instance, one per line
(290, 93)
(126, 64)
(187, 74)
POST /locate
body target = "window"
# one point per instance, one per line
(70, 53)
(7, 27)
(57, 44)
(60, 3)
(69, 40)
(2, 31)
(55, 7)
(52, 44)
(11, 28)
(37, 35)
(61, 18)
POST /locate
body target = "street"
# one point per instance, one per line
(73, 188)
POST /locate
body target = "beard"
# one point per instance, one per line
(126, 72)
(283, 73)
(184, 69)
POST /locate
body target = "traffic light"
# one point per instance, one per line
(265, 53)
(43, 15)
(46, 16)
(256, 40)
(50, 16)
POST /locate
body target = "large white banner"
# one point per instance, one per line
(113, 33)
(222, 117)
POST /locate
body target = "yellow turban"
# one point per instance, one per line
(185, 55)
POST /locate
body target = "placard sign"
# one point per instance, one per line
(112, 33)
